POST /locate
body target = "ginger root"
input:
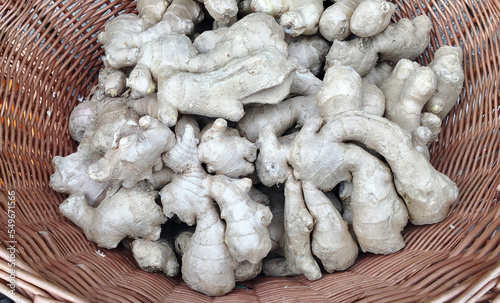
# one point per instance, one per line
(447, 65)
(213, 252)
(371, 17)
(70, 176)
(243, 132)
(130, 212)
(402, 40)
(136, 155)
(151, 11)
(153, 256)
(297, 17)
(223, 11)
(428, 193)
(213, 147)
(335, 22)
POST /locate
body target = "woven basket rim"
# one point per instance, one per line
(50, 61)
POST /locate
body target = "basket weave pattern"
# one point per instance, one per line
(50, 58)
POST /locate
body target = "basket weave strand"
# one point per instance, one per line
(50, 58)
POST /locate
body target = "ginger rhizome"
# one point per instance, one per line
(229, 127)
(447, 65)
(298, 17)
(130, 212)
(214, 251)
(402, 40)
(153, 256)
(335, 22)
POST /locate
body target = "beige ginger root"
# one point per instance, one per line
(433, 123)
(181, 240)
(308, 52)
(394, 84)
(427, 193)
(243, 272)
(125, 35)
(246, 37)
(121, 39)
(297, 17)
(136, 156)
(247, 271)
(412, 39)
(273, 168)
(447, 65)
(114, 121)
(215, 144)
(281, 116)
(246, 220)
(115, 83)
(83, 115)
(373, 99)
(371, 17)
(378, 74)
(267, 76)
(181, 17)
(207, 40)
(407, 91)
(266, 72)
(214, 251)
(418, 89)
(153, 256)
(130, 212)
(357, 53)
(402, 40)
(341, 92)
(223, 11)
(70, 176)
(207, 266)
(299, 223)
(331, 240)
(336, 19)
(151, 11)
(379, 214)
(170, 52)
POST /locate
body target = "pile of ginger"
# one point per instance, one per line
(276, 137)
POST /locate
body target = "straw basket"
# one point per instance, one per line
(50, 59)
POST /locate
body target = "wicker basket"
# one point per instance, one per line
(49, 60)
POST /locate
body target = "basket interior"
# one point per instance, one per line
(50, 60)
